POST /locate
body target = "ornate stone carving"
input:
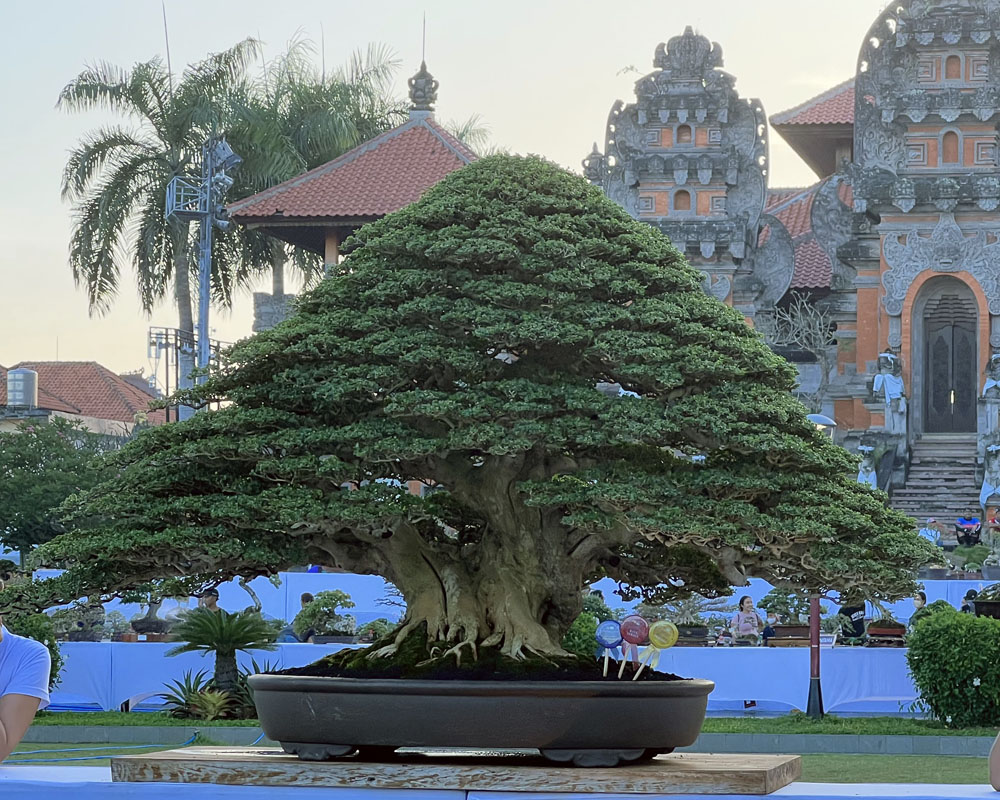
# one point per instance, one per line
(773, 264)
(727, 156)
(832, 222)
(717, 286)
(688, 56)
(946, 249)
(269, 310)
(423, 89)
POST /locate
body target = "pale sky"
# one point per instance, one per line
(542, 74)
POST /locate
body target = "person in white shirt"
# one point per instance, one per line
(24, 686)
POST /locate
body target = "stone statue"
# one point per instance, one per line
(991, 389)
(889, 386)
(991, 478)
(423, 90)
(867, 475)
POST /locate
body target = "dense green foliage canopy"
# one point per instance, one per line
(42, 464)
(462, 344)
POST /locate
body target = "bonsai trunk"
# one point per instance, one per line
(226, 672)
(517, 590)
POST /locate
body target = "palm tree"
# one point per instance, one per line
(294, 118)
(117, 176)
(224, 634)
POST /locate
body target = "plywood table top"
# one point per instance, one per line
(685, 773)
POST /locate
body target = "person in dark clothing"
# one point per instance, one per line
(967, 607)
(854, 628)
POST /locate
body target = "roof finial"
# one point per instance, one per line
(423, 90)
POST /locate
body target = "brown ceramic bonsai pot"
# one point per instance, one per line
(986, 608)
(791, 631)
(588, 723)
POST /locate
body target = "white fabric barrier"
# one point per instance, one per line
(855, 679)
(106, 674)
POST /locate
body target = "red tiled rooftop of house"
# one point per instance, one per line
(87, 389)
(834, 107)
(376, 178)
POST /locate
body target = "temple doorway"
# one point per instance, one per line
(948, 319)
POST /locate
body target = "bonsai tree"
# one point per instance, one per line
(692, 611)
(791, 606)
(461, 344)
(321, 618)
(225, 635)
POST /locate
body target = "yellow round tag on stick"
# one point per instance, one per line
(663, 634)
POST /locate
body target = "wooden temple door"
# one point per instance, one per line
(951, 376)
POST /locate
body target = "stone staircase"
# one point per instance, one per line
(942, 480)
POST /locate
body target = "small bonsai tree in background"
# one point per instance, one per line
(321, 617)
(461, 343)
(225, 635)
(790, 605)
(376, 629)
(692, 611)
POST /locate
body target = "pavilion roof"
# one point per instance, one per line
(378, 177)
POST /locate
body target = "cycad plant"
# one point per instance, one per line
(224, 634)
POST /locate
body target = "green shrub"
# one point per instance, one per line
(936, 607)
(40, 628)
(581, 638)
(321, 617)
(955, 662)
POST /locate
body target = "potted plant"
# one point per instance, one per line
(552, 365)
(320, 622)
(885, 632)
(117, 628)
(830, 629)
(792, 610)
(80, 623)
(987, 602)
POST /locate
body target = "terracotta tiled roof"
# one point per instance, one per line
(85, 388)
(378, 177)
(833, 107)
(793, 207)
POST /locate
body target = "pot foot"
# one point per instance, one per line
(600, 758)
(317, 752)
(375, 752)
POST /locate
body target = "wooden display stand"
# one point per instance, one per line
(693, 773)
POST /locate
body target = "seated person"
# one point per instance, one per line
(967, 607)
(746, 623)
(24, 686)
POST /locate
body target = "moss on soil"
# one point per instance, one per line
(415, 660)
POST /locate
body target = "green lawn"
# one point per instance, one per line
(894, 769)
(96, 755)
(118, 718)
(792, 723)
(872, 726)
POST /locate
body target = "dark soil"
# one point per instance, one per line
(413, 661)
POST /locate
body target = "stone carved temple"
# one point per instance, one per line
(898, 242)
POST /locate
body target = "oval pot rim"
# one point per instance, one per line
(336, 685)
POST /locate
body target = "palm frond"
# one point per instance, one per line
(473, 132)
(94, 152)
(222, 633)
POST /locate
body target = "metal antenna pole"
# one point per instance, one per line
(205, 258)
